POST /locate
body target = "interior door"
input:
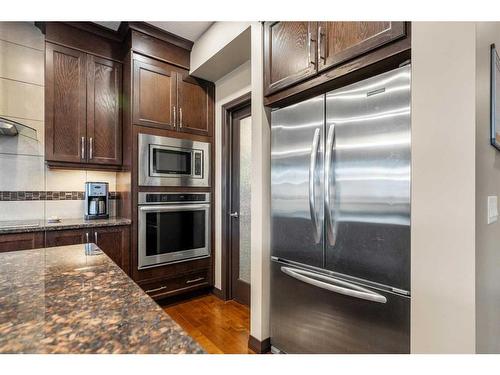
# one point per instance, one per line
(367, 179)
(65, 109)
(241, 147)
(297, 136)
(104, 79)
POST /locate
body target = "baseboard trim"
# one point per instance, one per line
(258, 346)
(218, 293)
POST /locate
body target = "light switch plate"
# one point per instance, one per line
(492, 209)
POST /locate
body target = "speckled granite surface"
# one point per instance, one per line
(68, 300)
(23, 226)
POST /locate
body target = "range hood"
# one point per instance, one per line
(11, 128)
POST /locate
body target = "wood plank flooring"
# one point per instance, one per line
(219, 327)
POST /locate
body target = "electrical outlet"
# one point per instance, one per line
(492, 209)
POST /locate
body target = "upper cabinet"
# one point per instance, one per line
(289, 53)
(82, 108)
(65, 104)
(298, 51)
(154, 95)
(342, 41)
(165, 96)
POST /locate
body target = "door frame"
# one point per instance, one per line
(226, 258)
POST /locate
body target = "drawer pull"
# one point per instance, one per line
(195, 280)
(156, 289)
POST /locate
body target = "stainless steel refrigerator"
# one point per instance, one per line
(340, 214)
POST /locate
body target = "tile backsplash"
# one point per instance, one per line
(22, 167)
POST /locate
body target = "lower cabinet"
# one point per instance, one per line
(176, 284)
(114, 241)
(21, 241)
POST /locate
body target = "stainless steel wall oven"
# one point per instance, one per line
(173, 227)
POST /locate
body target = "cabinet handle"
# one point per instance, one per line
(87, 235)
(309, 40)
(195, 280)
(83, 147)
(91, 142)
(95, 237)
(175, 116)
(156, 289)
(320, 44)
(180, 117)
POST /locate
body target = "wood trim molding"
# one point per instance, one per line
(259, 347)
(218, 293)
(155, 32)
(227, 109)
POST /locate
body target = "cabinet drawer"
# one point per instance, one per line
(176, 285)
(21, 241)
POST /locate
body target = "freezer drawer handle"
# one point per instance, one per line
(334, 285)
(312, 194)
(330, 223)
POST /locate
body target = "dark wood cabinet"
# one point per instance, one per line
(167, 97)
(154, 102)
(300, 56)
(104, 120)
(82, 108)
(194, 98)
(114, 241)
(342, 41)
(21, 241)
(289, 53)
(65, 104)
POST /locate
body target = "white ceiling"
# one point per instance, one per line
(188, 30)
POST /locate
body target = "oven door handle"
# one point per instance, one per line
(171, 207)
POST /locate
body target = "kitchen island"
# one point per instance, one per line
(74, 299)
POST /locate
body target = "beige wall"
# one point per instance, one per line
(231, 86)
(22, 165)
(443, 188)
(261, 195)
(487, 183)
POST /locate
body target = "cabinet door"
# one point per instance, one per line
(21, 241)
(104, 79)
(114, 241)
(65, 104)
(195, 100)
(65, 237)
(341, 41)
(154, 95)
(289, 53)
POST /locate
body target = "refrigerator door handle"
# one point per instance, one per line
(312, 190)
(334, 285)
(330, 223)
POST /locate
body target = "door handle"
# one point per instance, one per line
(95, 237)
(334, 285)
(329, 217)
(175, 115)
(180, 117)
(87, 236)
(309, 40)
(234, 214)
(320, 44)
(156, 289)
(91, 144)
(312, 189)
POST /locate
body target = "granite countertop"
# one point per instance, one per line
(23, 226)
(74, 299)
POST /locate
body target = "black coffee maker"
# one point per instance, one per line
(96, 200)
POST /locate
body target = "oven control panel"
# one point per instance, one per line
(148, 198)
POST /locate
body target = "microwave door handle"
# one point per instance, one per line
(329, 217)
(334, 285)
(312, 183)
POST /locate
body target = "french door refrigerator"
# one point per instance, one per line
(340, 216)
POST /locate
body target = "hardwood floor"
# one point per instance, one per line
(219, 327)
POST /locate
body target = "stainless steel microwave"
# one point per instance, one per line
(165, 161)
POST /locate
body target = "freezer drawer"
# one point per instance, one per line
(344, 318)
